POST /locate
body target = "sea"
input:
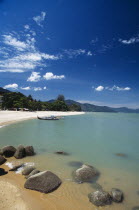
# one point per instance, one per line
(107, 141)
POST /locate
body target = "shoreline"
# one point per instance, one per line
(11, 117)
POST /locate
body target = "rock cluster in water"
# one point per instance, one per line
(44, 182)
(19, 152)
(102, 198)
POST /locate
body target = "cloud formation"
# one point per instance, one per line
(130, 41)
(34, 77)
(40, 18)
(99, 88)
(50, 76)
(25, 88)
(13, 86)
(114, 87)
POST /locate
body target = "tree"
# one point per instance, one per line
(60, 98)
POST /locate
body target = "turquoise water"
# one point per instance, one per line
(93, 138)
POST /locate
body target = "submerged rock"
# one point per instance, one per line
(2, 160)
(86, 173)
(44, 182)
(8, 151)
(117, 195)
(61, 153)
(35, 171)
(75, 163)
(135, 208)
(16, 167)
(121, 154)
(20, 152)
(100, 198)
(2, 172)
(29, 151)
(27, 170)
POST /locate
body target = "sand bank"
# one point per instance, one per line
(8, 117)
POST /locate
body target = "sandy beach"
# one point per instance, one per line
(8, 117)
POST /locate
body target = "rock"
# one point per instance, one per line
(121, 154)
(75, 163)
(44, 182)
(20, 152)
(8, 151)
(117, 195)
(2, 172)
(61, 153)
(35, 171)
(2, 160)
(86, 173)
(16, 167)
(27, 170)
(29, 151)
(100, 198)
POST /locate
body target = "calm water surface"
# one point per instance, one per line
(92, 138)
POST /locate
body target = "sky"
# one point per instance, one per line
(86, 50)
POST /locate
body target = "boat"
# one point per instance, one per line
(49, 118)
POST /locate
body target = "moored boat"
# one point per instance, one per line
(48, 118)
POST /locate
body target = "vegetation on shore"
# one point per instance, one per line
(16, 100)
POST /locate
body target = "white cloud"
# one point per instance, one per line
(114, 87)
(50, 76)
(12, 41)
(12, 70)
(74, 53)
(22, 56)
(40, 18)
(99, 88)
(11, 86)
(45, 88)
(132, 40)
(34, 77)
(26, 27)
(93, 41)
(37, 88)
(89, 53)
(25, 88)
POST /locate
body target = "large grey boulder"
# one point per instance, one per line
(29, 150)
(2, 160)
(20, 152)
(27, 170)
(8, 151)
(117, 195)
(35, 171)
(44, 182)
(100, 198)
(86, 173)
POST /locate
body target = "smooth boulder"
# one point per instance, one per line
(86, 173)
(20, 152)
(2, 160)
(45, 182)
(27, 170)
(35, 171)
(29, 151)
(100, 198)
(117, 195)
(8, 151)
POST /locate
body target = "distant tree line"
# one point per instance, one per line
(16, 100)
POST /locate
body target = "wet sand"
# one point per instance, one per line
(69, 195)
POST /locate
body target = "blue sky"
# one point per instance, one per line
(86, 50)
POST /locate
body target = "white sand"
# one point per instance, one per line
(8, 117)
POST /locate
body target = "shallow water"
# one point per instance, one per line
(92, 138)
